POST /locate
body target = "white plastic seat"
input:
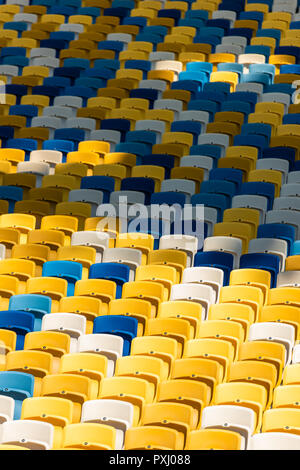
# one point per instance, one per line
(113, 137)
(248, 59)
(91, 196)
(161, 55)
(115, 413)
(51, 123)
(173, 65)
(172, 105)
(227, 244)
(251, 201)
(110, 346)
(274, 164)
(152, 125)
(235, 49)
(238, 40)
(274, 441)
(253, 87)
(272, 331)
(73, 102)
(277, 98)
(50, 62)
(296, 354)
(187, 187)
(129, 256)
(87, 124)
(199, 293)
(35, 435)
(73, 27)
(51, 157)
(198, 161)
(159, 85)
(94, 239)
(133, 197)
(284, 7)
(42, 52)
(7, 408)
(290, 189)
(234, 418)
(199, 116)
(273, 246)
(71, 324)
(186, 243)
(39, 169)
(212, 277)
(284, 202)
(224, 14)
(9, 71)
(121, 37)
(284, 217)
(21, 3)
(2, 251)
(222, 140)
(210, 215)
(293, 177)
(288, 279)
(28, 18)
(61, 112)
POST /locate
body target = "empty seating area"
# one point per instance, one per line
(152, 337)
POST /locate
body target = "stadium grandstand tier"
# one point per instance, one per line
(149, 225)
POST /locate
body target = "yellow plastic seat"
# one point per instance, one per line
(53, 287)
(265, 351)
(75, 388)
(84, 255)
(229, 128)
(151, 291)
(137, 308)
(243, 215)
(182, 95)
(274, 108)
(88, 436)
(250, 395)
(36, 363)
(62, 183)
(14, 156)
(101, 289)
(164, 348)
(189, 173)
(266, 118)
(64, 223)
(49, 195)
(121, 158)
(9, 285)
(286, 396)
(261, 373)
(93, 366)
(244, 294)
(52, 342)
(282, 314)
(95, 146)
(291, 375)
(173, 258)
(181, 139)
(165, 115)
(139, 241)
(51, 238)
(169, 415)
(152, 438)
(227, 77)
(280, 59)
(225, 330)
(89, 159)
(154, 172)
(118, 172)
(89, 307)
(81, 19)
(243, 152)
(211, 348)
(79, 210)
(281, 420)
(75, 169)
(165, 275)
(8, 339)
(24, 223)
(190, 392)
(234, 229)
(175, 328)
(148, 368)
(22, 269)
(38, 209)
(262, 7)
(214, 439)
(252, 277)
(131, 389)
(268, 176)
(219, 58)
(264, 41)
(250, 24)
(199, 369)
(39, 254)
(131, 115)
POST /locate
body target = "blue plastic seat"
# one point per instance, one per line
(64, 146)
(83, 92)
(217, 87)
(18, 26)
(17, 385)
(140, 21)
(214, 151)
(280, 88)
(260, 141)
(105, 184)
(13, 51)
(216, 259)
(144, 65)
(281, 231)
(120, 125)
(245, 32)
(252, 15)
(260, 188)
(143, 185)
(169, 198)
(116, 272)
(261, 78)
(264, 261)
(57, 81)
(231, 67)
(285, 153)
(57, 44)
(289, 50)
(163, 160)
(259, 129)
(149, 37)
(258, 49)
(269, 33)
(194, 87)
(137, 148)
(28, 111)
(77, 63)
(217, 201)
(231, 5)
(291, 118)
(75, 135)
(64, 35)
(66, 11)
(227, 174)
(220, 23)
(12, 194)
(102, 73)
(6, 133)
(247, 96)
(237, 106)
(295, 24)
(118, 325)
(204, 105)
(94, 12)
(227, 188)
(90, 82)
(71, 271)
(197, 23)
(170, 13)
(146, 93)
(191, 127)
(205, 67)
(28, 145)
(17, 60)
(194, 75)
(295, 250)
(50, 91)
(268, 69)
(144, 137)
(197, 14)
(290, 68)
(38, 305)
(19, 322)
(17, 90)
(118, 12)
(116, 46)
